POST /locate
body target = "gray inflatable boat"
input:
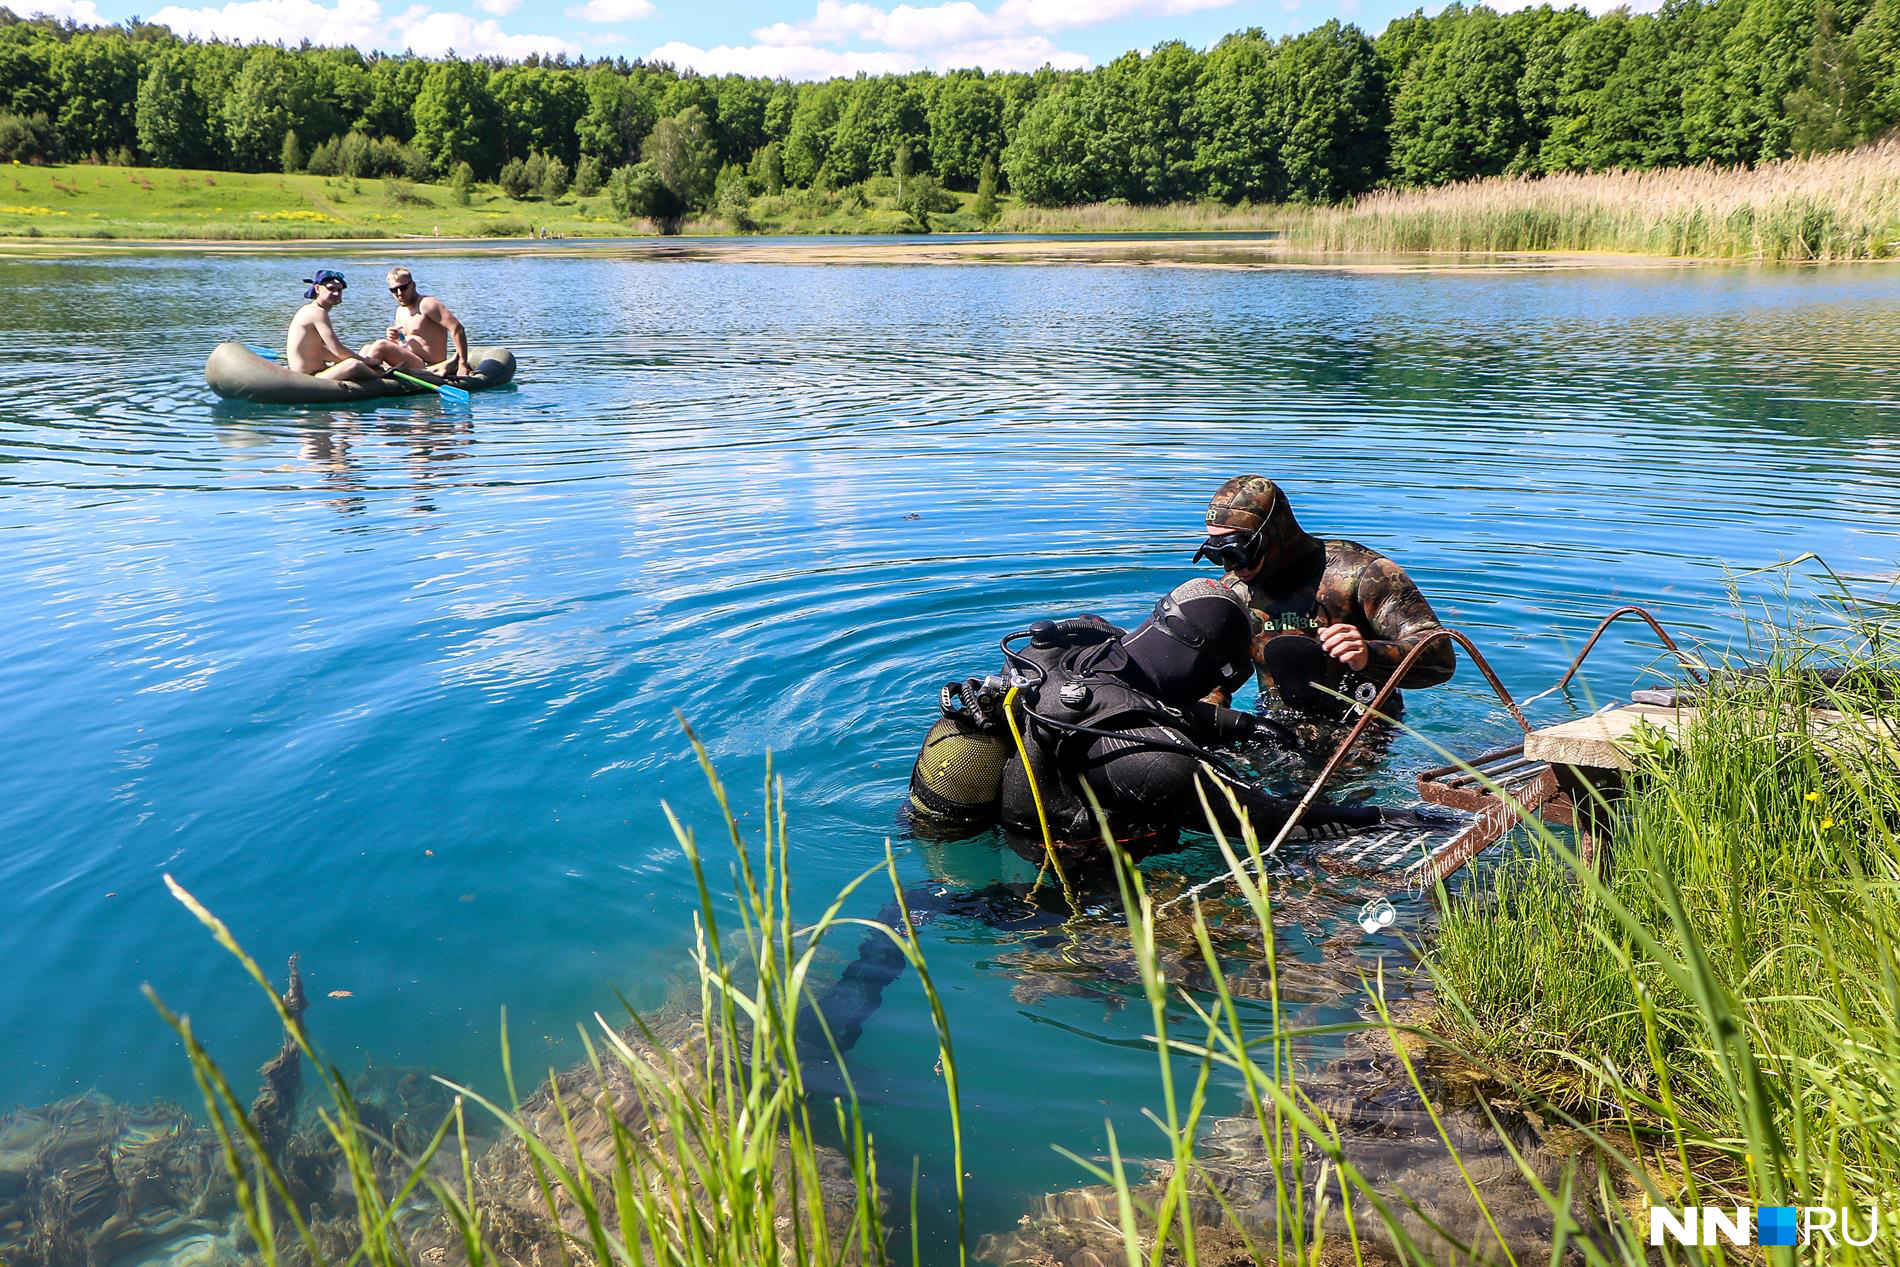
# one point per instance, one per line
(237, 373)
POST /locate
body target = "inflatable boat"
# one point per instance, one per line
(237, 373)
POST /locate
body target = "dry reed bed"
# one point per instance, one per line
(1841, 206)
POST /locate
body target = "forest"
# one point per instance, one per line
(1316, 118)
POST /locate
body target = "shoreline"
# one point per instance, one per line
(1216, 249)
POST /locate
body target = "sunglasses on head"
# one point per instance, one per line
(1232, 552)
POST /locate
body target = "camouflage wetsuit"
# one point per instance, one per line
(1304, 583)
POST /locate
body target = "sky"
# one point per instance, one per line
(804, 39)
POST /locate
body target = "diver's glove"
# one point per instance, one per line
(1226, 726)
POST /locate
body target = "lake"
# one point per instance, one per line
(397, 688)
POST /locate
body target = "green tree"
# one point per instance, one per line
(1047, 159)
(1237, 155)
(919, 198)
(1161, 94)
(554, 179)
(514, 180)
(684, 158)
(268, 98)
(172, 122)
(966, 128)
(291, 158)
(1455, 115)
(767, 170)
(587, 178)
(740, 116)
(732, 196)
(1327, 101)
(537, 110)
(394, 85)
(455, 118)
(1540, 34)
(1876, 44)
(95, 79)
(809, 136)
(1736, 112)
(616, 119)
(24, 138)
(636, 191)
(1829, 110)
(462, 184)
(875, 118)
(26, 69)
(984, 208)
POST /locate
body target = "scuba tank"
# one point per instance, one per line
(956, 783)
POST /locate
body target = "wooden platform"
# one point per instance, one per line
(1596, 742)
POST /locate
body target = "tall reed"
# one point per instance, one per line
(1839, 206)
(707, 1147)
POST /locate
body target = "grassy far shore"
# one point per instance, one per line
(1842, 206)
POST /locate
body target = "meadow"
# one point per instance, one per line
(1832, 207)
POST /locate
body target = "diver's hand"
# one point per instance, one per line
(1347, 645)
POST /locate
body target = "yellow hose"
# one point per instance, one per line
(1048, 841)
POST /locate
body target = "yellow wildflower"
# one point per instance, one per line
(1826, 823)
(1813, 797)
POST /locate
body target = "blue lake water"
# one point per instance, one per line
(395, 687)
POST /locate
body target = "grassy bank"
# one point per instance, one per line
(86, 200)
(1843, 206)
(1731, 994)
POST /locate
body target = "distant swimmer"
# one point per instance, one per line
(1327, 615)
(425, 335)
(311, 347)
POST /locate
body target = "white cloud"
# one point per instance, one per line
(787, 61)
(269, 21)
(433, 34)
(607, 11)
(500, 8)
(961, 23)
(360, 22)
(84, 12)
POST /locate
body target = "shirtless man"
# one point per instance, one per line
(312, 347)
(426, 335)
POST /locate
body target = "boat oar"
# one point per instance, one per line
(448, 391)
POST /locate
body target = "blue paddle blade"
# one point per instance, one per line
(447, 391)
(266, 353)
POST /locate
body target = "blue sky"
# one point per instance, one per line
(806, 39)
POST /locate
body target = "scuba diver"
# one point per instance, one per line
(1330, 618)
(1124, 715)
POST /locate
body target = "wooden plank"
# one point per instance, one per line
(1595, 742)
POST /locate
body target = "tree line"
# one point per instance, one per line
(1321, 116)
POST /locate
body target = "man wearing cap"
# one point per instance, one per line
(1330, 617)
(312, 347)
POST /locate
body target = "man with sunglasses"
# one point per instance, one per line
(425, 336)
(1330, 618)
(311, 347)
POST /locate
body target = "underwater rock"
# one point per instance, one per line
(1386, 1134)
(87, 1181)
(507, 1186)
